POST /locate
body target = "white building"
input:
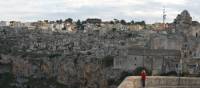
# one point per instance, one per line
(59, 26)
(120, 26)
(29, 25)
(52, 26)
(4, 23)
(70, 27)
(16, 24)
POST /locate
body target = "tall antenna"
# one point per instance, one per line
(164, 17)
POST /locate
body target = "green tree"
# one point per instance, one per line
(141, 23)
(116, 20)
(138, 70)
(70, 20)
(111, 22)
(59, 21)
(132, 21)
(79, 25)
(123, 22)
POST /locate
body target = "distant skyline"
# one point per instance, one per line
(137, 10)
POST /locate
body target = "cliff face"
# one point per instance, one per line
(76, 60)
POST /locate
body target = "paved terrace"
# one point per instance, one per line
(161, 82)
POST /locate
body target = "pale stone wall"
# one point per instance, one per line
(157, 64)
(165, 42)
(158, 61)
(161, 82)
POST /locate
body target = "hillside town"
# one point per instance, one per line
(95, 53)
(89, 24)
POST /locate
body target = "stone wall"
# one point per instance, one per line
(157, 60)
(172, 42)
(161, 82)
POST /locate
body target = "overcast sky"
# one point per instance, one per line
(148, 10)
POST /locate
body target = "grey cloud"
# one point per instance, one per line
(150, 11)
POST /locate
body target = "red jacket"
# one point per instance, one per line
(143, 75)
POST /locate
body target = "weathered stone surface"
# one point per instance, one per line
(72, 59)
(183, 22)
(184, 18)
(78, 59)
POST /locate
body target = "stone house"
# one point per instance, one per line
(4, 23)
(91, 27)
(59, 26)
(16, 24)
(70, 27)
(135, 27)
(119, 26)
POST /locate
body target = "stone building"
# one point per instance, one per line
(177, 51)
(169, 42)
(119, 26)
(157, 60)
(185, 39)
(4, 23)
(135, 27)
(16, 24)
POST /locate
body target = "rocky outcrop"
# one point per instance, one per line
(75, 60)
(183, 22)
(184, 18)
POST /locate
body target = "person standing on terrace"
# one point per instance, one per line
(143, 78)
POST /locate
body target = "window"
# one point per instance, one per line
(194, 54)
(185, 55)
(185, 45)
(196, 35)
(176, 65)
(190, 52)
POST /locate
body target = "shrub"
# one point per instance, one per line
(171, 73)
(108, 61)
(54, 55)
(184, 74)
(138, 70)
(114, 29)
(111, 81)
(129, 35)
(6, 79)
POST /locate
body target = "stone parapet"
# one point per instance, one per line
(161, 82)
